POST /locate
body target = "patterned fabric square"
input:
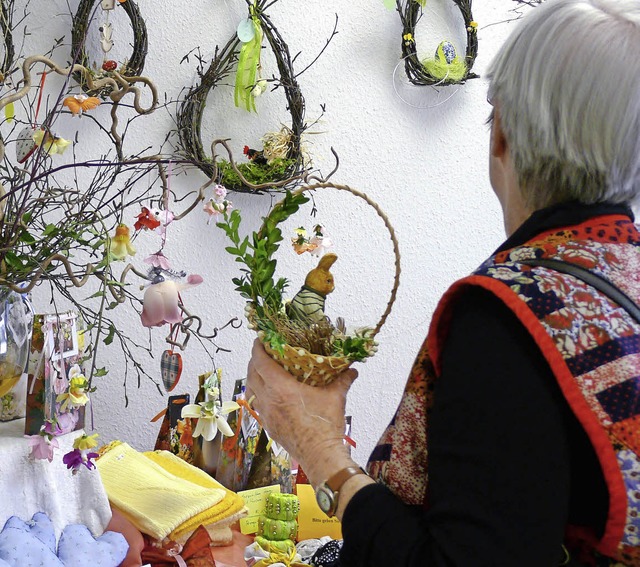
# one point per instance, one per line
(621, 401)
(628, 432)
(612, 350)
(545, 304)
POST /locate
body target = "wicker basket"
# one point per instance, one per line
(315, 369)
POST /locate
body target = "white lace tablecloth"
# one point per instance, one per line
(28, 486)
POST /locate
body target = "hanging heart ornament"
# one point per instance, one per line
(171, 369)
(25, 144)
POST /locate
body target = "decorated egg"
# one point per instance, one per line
(446, 52)
(109, 65)
(25, 144)
(246, 30)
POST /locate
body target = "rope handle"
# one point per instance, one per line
(385, 219)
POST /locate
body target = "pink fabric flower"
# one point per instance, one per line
(220, 192)
(158, 260)
(42, 446)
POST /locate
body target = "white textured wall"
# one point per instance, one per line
(426, 167)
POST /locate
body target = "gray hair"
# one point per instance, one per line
(567, 82)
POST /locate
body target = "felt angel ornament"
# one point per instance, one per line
(161, 301)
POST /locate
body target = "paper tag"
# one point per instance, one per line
(313, 523)
(255, 500)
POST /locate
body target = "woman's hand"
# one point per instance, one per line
(308, 421)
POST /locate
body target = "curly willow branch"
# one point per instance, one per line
(42, 270)
(118, 85)
(190, 112)
(410, 12)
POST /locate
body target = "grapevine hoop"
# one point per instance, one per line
(191, 109)
(80, 26)
(410, 13)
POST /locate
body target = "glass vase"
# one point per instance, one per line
(16, 324)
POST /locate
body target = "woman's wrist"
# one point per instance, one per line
(324, 463)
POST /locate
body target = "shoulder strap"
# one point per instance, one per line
(594, 280)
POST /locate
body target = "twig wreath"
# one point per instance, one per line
(131, 68)
(446, 68)
(288, 167)
(7, 35)
(312, 349)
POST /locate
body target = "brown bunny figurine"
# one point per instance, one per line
(308, 304)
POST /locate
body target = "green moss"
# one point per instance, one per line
(253, 172)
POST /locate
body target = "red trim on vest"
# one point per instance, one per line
(616, 519)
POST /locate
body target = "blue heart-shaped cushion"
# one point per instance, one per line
(40, 526)
(20, 548)
(78, 548)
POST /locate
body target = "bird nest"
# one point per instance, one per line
(130, 68)
(290, 167)
(313, 352)
(423, 73)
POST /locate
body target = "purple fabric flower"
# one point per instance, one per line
(76, 458)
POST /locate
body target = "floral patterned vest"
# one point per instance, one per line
(592, 346)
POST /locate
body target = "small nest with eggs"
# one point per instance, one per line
(410, 13)
(321, 352)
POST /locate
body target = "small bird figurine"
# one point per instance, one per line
(255, 156)
(308, 304)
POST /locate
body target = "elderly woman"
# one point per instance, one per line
(525, 395)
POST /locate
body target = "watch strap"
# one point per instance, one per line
(336, 481)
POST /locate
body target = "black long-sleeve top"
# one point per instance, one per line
(509, 464)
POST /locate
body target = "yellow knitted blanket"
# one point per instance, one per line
(230, 509)
(154, 499)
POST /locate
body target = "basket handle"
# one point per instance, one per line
(381, 214)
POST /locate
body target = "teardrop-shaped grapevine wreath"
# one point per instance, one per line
(445, 67)
(6, 16)
(280, 164)
(133, 66)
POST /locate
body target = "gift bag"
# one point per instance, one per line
(16, 319)
(175, 433)
(271, 465)
(57, 389)
(237, 451)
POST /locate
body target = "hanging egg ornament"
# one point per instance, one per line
(446, 52)
(246, 30)
(25, 144)
(109, 65)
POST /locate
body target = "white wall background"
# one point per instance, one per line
(426, 167)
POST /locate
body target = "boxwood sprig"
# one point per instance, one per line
(256, 253)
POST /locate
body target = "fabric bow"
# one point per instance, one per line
(196, 552)
(288, 559)
(248, 65)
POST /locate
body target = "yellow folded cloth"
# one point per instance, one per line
(224, 513)
(151, 497)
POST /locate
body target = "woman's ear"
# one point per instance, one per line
(499, 147)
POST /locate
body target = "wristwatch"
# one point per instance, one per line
(327, 493)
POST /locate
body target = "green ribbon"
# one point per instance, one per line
(247, 72)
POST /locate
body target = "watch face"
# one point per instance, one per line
(324, 497)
